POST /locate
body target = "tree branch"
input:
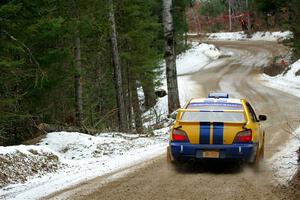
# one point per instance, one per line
(33, 60)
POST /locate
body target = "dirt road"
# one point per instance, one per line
(157, 180)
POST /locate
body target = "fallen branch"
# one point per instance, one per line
(290, 129)
(46, 128)
(32, 59)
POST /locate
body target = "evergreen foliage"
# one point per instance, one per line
(294, 7)
(37, 61)
(212, 8)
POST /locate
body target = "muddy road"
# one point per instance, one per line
(155, 179)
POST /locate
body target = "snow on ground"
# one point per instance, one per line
(227, 36)
(285, 162)
(82, 156)
(272, 36)
(287, 82)
(266, 36)
(195, 58)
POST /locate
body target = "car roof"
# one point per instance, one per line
(216, 100)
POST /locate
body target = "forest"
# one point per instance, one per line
(58, 66)
(56, 63)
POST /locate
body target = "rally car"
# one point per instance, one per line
(217, 127)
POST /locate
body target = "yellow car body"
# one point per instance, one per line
(220, 128)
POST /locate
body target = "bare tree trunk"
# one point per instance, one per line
(195, 20)
(78, 86)
(123, 124)
(170, 57)
(229, 15)
(136, 108)
(248, 16)
(77, 77)
(186, 28)
(129, 97)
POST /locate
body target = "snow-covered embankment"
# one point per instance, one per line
(257, 36)
(285, 161)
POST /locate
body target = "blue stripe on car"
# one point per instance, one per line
(218, 132)
(204, 133)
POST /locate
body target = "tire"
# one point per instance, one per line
(169, 156)
(262, 150)
(259, 157)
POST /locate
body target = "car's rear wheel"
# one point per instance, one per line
(169, 156)
(259, 157)
(262, 150)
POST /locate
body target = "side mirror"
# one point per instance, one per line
(262, 117)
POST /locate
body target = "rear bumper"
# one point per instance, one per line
(186, 151)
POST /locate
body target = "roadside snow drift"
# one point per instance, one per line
(285, 162)
(64, 159)
(288, 82)
(195, 58)
(265, 36)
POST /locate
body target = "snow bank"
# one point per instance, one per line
(285, 162)
(82, 156)
(272, 36)
(81, 147)
(266, 36)
(287, 82)
(195, 58)
(227, 36)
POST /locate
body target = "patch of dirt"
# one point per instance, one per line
(18, 167)
(275, 69)
(297, 73)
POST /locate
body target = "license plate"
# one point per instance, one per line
(210, 154)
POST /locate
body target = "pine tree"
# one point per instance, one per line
(294, 7)
(51, 48)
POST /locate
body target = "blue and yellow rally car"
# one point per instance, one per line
(217, 127)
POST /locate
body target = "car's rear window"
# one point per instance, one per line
(215, 106)
(214, 112)
(216, 116)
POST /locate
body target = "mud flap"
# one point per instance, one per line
(254, 154)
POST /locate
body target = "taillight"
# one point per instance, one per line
(179, 136)
(243, 136)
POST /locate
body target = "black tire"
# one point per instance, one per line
(259, 157)
(169, 156)
(262, 150)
